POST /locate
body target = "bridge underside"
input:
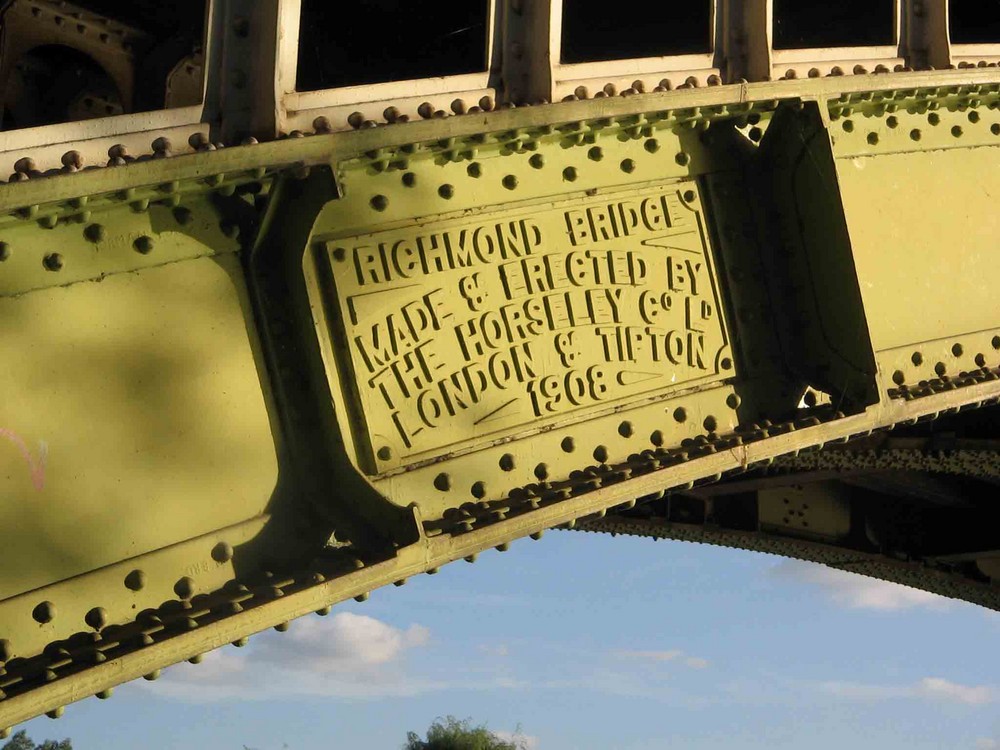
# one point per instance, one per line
(914, 506)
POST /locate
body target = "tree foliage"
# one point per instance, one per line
(452, 734)
(21, 741)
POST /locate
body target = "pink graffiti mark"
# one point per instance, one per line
(36, 467)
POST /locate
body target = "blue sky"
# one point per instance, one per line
(588, 641)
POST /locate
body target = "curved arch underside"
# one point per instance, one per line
(915, 509)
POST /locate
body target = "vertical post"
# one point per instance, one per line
(926, 37)
(243, 78)
(746, 38)
(527, 29)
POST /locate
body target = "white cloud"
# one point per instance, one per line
(985, 743)
(348, 642)
(694, 662)
(523, 741)
(940, 688)
(648, 655)
(857, 591)
(349, 656)
(495, 649)
(935, 689)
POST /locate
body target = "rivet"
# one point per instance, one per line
(379, 203)
(542, 472)
(510, 182)
(652, 145)
(486, 104)
(595, 154)
(55, 713)
(733, 401)
(475, 170)
(96, 618)
(957, 350)
(537, 161)
(934, 118)
(323, 611)
(135, 581)
(710, 424)
(154, 675)
(322, 124)
(940, 368)
(355, 119)
(917, 359)
(478, 490)
(222, 552)
(898, 377)
(507, 460)
(503, 547)
(409, 179)
(281, 627)
(95, 233)
(447, 191)
(471, 558)
(5, 731)
(682, 159)
(656, 438)
(627, 165)
(4, 251)
(196, 659)
(6, 652)
(105, 694)
(601, 454)
(183, 215)
(680, 414)
(568, 445)
(442, 482)
(363, 597)
(426, 110)
(161, 147)
(625, 429)
(458, 107)
(241, 642)
(570, 174)
(44, 612)
(892, 121)
(957, 131)
(537, 535)
(384, 453)
(873, 139)
(996, 342)
(143, 245)
(24, 165)
(184, 588)
(915, 134)
(72, 161)
(53, 262)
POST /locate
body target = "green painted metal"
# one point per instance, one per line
(272, 377)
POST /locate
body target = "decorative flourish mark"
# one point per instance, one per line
(36, 467)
